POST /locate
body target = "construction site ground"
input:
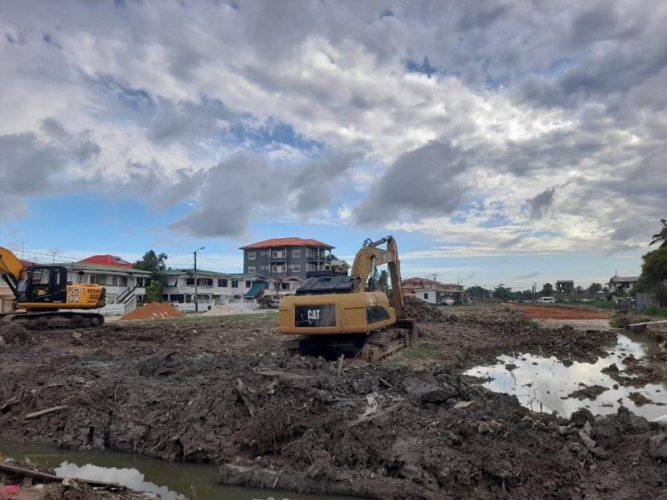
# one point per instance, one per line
(222, 390)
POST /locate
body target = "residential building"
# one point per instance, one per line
(625, 284)
(286, 257)
(214, 288)
(432, 291)
(125, 286)
(565, 287)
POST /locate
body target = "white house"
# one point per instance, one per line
(427, 294)
(125, 286)
(214, 288)
(627, 284)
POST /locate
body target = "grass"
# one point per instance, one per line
(660, 312)
(420, 352)
(198, 319)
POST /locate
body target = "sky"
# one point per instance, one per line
(499, 142)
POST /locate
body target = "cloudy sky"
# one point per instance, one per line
(512, 142)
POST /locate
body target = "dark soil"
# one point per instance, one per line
(223, 391)
(588, 392)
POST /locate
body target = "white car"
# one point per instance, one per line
(546, 300)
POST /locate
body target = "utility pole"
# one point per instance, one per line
(195, 273)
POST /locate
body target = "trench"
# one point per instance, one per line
(545, 383)
(166, 480)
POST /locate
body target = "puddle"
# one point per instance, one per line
(540, 383)
(166, 480)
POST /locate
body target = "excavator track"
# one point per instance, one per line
(55, 319)
(370, 348)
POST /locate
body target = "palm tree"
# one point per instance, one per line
(660, 237)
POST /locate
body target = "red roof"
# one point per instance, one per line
(287, 242)
(107, 260)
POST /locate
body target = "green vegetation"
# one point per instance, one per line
(420, 352)
(653, 279)
(155, 264)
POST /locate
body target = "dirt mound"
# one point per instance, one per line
(558, 312)
(229, 309)
(154, 310)
(420, 310)
(13, 333)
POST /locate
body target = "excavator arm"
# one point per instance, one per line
(10, 269)
(369, 257)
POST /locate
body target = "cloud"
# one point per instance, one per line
(527, 276)
(541, 203)
(229, 194)
(424, 182)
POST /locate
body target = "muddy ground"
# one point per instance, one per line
(222, 390)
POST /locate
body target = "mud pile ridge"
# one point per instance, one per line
(154, 310)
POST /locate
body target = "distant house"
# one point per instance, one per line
(565, 287)
(214, 288)
(286, 257)
(125, 286)
(625, 284)
(432, 291)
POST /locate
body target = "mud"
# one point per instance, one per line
(223, 391)
(560, 312)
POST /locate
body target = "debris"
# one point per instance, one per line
(240, 390)
(47, 411)
(657, 446)
(588, 392)
(463, 404)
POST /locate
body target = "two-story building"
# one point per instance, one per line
(433, 291)
(215, 288)
(286, 257)
(625, 284)
(125, 286)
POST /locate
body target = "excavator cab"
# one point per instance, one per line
(43, 284)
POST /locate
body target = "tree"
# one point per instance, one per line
(594, 289)
(547, 290)
(384, 280)
(502, 292)
(477, 293)
(654, 274)
(660, 237)
(155, 264)
(154, 291)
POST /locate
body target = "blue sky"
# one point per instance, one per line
(498, 143)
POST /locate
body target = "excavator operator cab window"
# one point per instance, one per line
(46, 284)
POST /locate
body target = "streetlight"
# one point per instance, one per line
(196, 298)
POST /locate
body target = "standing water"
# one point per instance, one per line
(166, 480)
(544, 383)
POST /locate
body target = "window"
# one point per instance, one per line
(261, 268)
(222, 283)
(279, 254)
(123, 281)
(426, 295)
(235, 284)
(296, 252)
(248, 284)
(251, 269)
(141, 282)
(277, 268)
(295, 268)
(252, 255)
(262, 253)
(190, 281)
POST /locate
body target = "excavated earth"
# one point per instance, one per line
(223, 391)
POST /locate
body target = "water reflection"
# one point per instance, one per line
(167, 480)
(131, 478)
(543, 383)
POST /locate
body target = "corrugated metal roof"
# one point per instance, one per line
(107, 260)
(287, 242)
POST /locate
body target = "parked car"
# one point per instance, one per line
(546, 300)
(448, 302)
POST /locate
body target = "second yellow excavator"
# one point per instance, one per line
(44, 298)
(348, 314)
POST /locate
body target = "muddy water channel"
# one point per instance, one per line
(168, 481)
(547, 384)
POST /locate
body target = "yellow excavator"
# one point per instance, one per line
(44, 298)
(350, 315)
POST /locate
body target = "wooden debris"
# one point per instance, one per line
(240, 390)
(47, 411)
(50, 478)
(9, 403)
